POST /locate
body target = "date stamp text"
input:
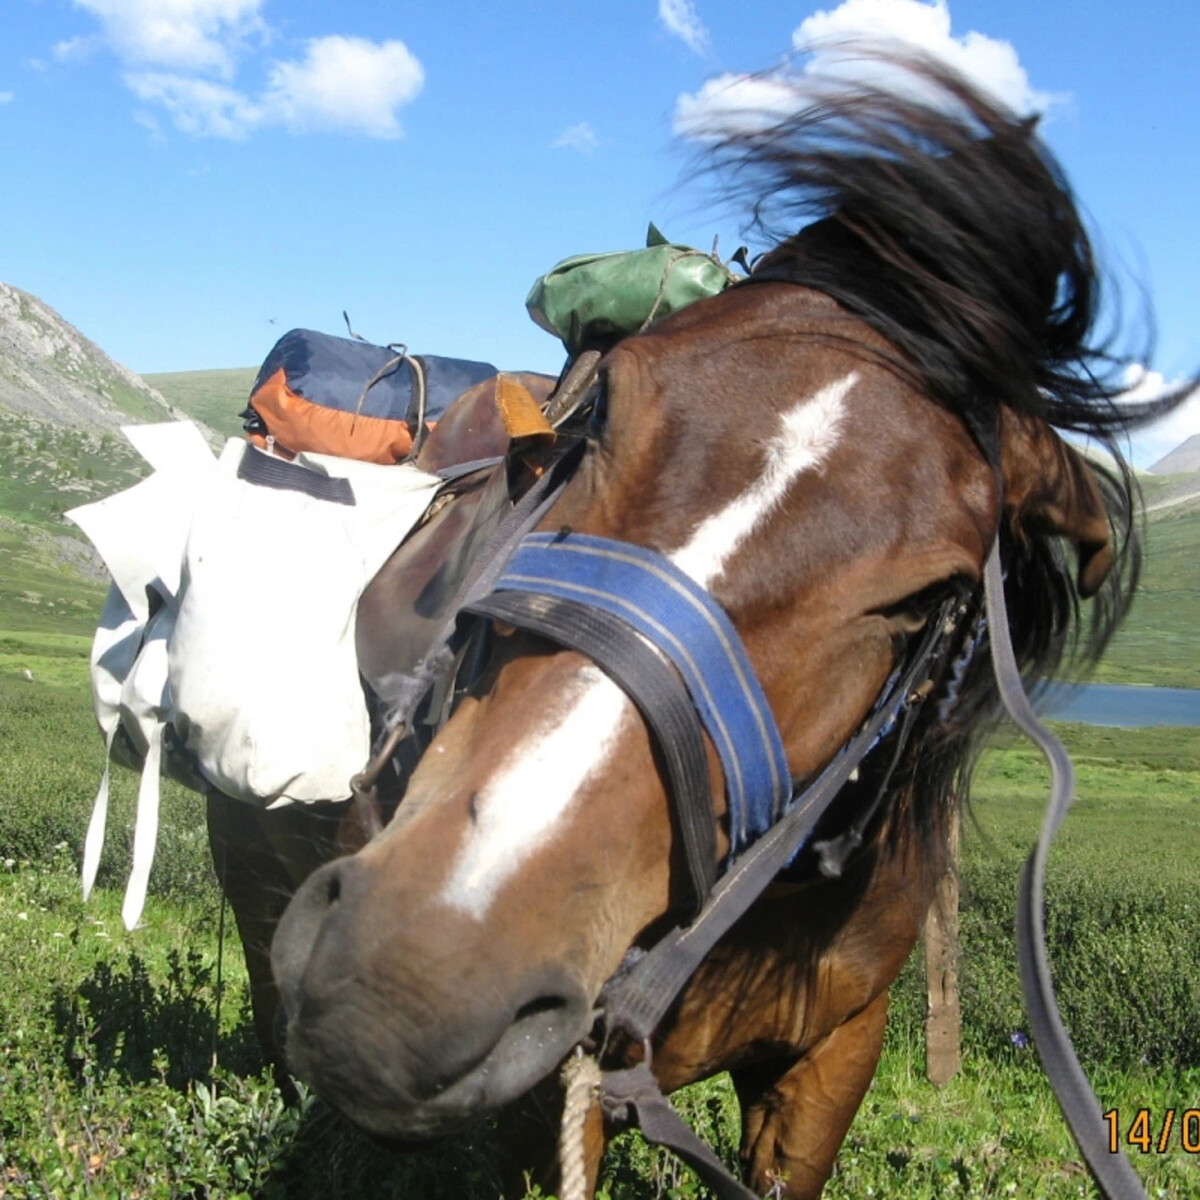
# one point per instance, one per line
(1154, 1133)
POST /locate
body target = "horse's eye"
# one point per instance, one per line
(914, 611)
(598, 417)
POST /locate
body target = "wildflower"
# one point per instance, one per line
(1018, 1039)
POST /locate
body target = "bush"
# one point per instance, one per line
(1124, 956)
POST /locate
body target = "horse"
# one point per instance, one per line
(830, 449)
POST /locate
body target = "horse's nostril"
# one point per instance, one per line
(540, 1004)
(333, 889)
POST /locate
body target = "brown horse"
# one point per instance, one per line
(830, 449)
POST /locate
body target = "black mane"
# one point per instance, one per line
(941, 219)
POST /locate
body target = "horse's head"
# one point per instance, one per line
(828, 506)
(830, 451)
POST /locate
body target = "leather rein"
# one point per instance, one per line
(632, 612)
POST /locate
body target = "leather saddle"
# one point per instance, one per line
(403, 607)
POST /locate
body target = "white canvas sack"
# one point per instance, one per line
(262, 670)
(231, 618)
(140, 534)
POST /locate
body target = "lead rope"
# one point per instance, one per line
(580, 1078)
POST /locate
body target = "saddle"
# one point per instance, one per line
(405, 605)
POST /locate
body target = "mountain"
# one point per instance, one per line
(50, 372)
(62, 401)
(1185, 457)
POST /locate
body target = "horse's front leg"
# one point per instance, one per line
(260, 858)
(795, 1115)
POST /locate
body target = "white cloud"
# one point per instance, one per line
(682, 20)
(346, 84)
(6, 97)
(77, 48)
(1155, 441)
(732, 104)
(342, 84)
(988, 62)
(180, 35)
(581, 137)
(182, 56)
(149, 122)
(735, 103)
(197, 106)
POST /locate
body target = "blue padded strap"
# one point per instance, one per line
(669, 609)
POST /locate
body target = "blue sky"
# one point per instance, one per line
(186, 179)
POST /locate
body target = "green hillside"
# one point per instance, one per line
(214, 397)
(51, 584)
(1160, 642)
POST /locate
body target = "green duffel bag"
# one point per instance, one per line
(596, 299)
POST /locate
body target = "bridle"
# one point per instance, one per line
(670, 646)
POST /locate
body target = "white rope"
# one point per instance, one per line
(145, 829)
(580, 1078)
(94, 842)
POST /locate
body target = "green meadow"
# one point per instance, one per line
(121, 1076)
(118, 1079)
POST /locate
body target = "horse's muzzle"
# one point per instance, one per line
(412, 1024)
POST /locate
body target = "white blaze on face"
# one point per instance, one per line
(521, 802)
(810, 431)
(518, 807)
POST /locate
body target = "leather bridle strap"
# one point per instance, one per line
(1114, 1175)
(653, 684)
(490, 561)
(634, 1097)
(636, 1001)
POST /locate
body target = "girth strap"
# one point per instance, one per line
(1113, 1174)
(653, 684)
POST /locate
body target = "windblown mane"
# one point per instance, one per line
(941, 219)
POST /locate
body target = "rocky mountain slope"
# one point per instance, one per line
(1184, 458)
(50, 372)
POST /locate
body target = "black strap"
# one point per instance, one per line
(652, 683)
(484, 570)
(457, 471)
(638, 1000)
(1114, 1175)
(270, 471)
(633, 1097)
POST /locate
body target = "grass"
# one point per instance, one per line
(1159, 642)
(106, 1080)
(214, 397)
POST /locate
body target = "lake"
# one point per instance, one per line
(1123, 705)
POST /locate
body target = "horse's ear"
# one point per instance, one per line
(1049, 488)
